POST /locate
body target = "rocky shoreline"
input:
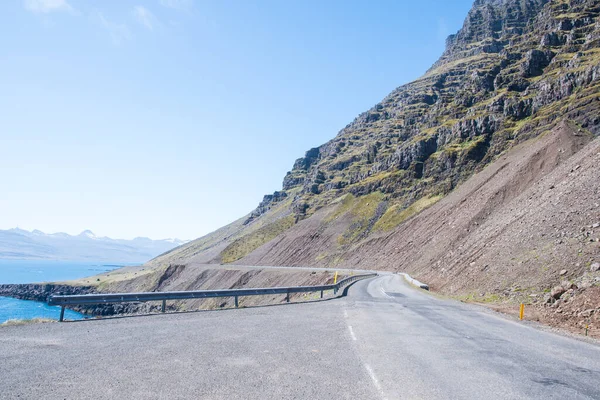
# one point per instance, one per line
(42, 291)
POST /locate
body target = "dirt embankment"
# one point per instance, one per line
(212, 277)
(577, 311)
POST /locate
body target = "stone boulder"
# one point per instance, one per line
(557, 291)
(535, 62)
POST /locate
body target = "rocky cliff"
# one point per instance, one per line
(507, 75)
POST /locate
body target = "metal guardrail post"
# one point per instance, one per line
(287, 298)
(62, 314)
(321, 294)
(164, 305)
(236, 302)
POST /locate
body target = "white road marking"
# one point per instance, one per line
(375, 381)
(345, 314)
(352, 332)
(385, 294)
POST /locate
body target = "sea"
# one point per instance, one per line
(27, 271)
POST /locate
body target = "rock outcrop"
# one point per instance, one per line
(507, 75)
(41, 291)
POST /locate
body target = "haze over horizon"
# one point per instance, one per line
(171, 118)
(86, 232)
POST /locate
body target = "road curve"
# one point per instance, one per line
(385, 340)
(421, 347)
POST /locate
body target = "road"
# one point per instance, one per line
(385, 340)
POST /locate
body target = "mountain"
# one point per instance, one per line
(479, 178)
(87, 234)
(514, 70)
(21, 244)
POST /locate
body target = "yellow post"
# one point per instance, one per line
(335, 278)
(521, 311)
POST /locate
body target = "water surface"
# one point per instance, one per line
(37, 271)
(26, 271)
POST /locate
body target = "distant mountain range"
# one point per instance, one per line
(21, 244)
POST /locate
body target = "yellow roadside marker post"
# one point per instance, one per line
(521, 311)
(335, 282)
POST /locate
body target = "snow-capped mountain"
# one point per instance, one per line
(87, 234)
(18, 243)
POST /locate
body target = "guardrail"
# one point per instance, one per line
(63, 301)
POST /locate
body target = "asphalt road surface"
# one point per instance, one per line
(385, 340)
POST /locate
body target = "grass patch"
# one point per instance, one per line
(466, 146)
(250, 242)
(394, 216)
(461, 63)
(363, 210)
(345, 203)
(365, 206)
(321, 256)
(489, 298)
(19, 322)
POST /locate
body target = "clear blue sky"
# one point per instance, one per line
(171, 118)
